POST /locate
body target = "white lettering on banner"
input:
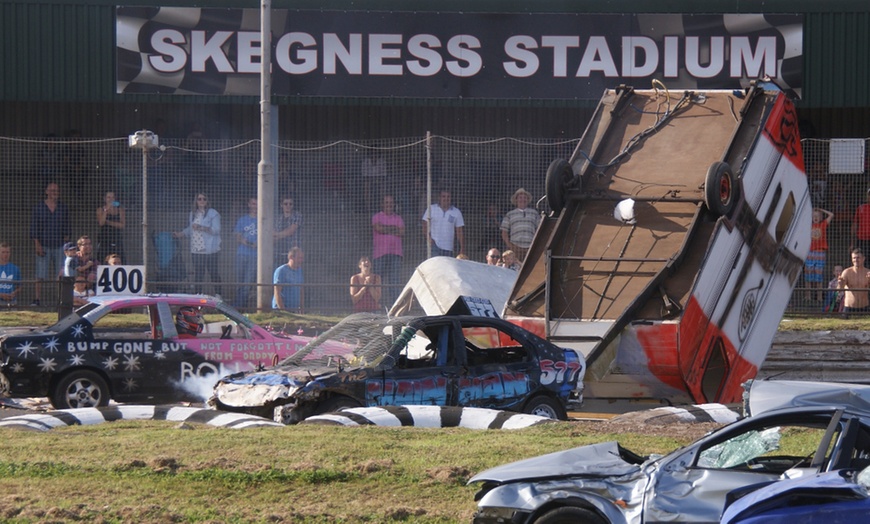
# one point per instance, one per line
(363, 53)
(350, 57)
(641, 57)
(171, 57)
(429, 60)
(298, 53)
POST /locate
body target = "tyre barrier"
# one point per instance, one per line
(90, 416)
(689, 414)
(429, 417)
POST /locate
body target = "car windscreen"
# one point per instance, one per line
(359, 340)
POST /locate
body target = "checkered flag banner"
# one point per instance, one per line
(174, 50)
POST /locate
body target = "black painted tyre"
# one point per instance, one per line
(721, 189)
(80, 389)
(560, 176)
(544, 406)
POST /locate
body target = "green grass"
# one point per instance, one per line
(311, 323)
(321, 322)
(147, 471)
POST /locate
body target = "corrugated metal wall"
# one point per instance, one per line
(95, 119)
(57, 64)
(837, 61)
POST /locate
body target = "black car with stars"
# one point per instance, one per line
(137, 348)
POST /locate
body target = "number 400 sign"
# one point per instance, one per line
(121, 280)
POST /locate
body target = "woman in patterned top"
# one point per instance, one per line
(204, 231)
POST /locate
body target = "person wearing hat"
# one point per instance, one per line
(861, 226)
(71, 262)
(520, 224)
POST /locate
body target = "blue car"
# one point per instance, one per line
(827, 498)
(446, 360)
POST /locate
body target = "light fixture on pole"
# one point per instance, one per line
(146, 141)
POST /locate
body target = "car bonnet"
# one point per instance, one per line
(597, 460)
(258, 388)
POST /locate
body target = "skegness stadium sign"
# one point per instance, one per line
(450, 55)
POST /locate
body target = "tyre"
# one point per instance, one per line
(336, 403)
(80, 389)
(570, 515)
(721, 189)
(543, 406)
(560, 176)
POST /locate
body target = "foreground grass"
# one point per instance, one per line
(317, 323)
(159, 472)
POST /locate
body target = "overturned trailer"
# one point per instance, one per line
(678, 229)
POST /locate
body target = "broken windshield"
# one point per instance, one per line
(358, 340)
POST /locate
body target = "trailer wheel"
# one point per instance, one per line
(560, 176)
(721, 189)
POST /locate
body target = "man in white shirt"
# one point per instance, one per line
(444, 228)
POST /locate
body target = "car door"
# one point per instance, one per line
(693, 486)
(139, 365)
(499, 366)
(425, 370)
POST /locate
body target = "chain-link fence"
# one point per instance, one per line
(336, 188)
(838, 172)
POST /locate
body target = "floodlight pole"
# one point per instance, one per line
(145, 216)
(265, 168)
(144, 140)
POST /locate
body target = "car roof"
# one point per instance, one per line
(771, 395)
(153, 298)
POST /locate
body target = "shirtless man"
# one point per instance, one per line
(855, 278)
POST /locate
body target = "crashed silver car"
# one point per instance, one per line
(794, 429)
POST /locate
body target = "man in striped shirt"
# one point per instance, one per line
(519, 225)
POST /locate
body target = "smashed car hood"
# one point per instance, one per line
(598, 460)
(263, 387)
(767, 395)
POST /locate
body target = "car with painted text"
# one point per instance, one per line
(446, 360)
(137, 348)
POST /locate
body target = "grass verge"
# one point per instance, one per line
(135, 471)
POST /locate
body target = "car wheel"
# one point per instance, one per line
(570, 515)
(721, 189)
(336, 403)
(560, 176)
(546, 407)
(80, 389)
